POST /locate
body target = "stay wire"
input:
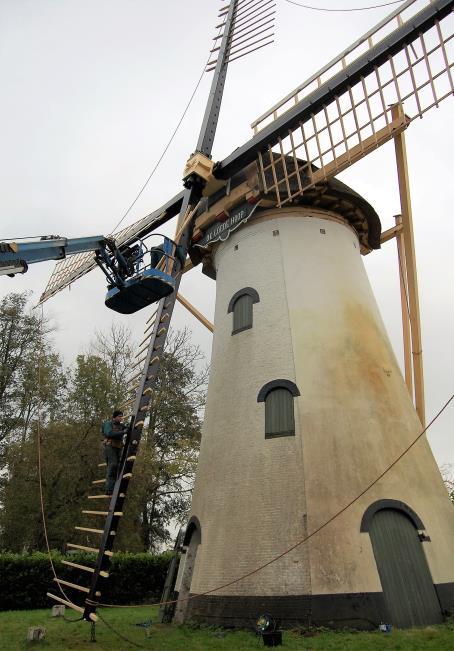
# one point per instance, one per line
(303, 6)
(150, 176)
(306, 538)
(40, 478)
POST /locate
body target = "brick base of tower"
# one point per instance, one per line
(361, 611)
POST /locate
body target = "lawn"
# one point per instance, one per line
(63, 635)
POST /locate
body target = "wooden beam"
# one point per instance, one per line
(395, 128)
(405, 306)
(92, 616)
(391, 233)
(195, 312)
(412, 277)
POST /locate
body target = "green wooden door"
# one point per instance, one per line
(405, 576)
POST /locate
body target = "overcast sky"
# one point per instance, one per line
(91, 92)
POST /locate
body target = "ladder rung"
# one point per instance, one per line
(79, 567)
(99, 497)
(72, 585)
(128, 475)
(105, 513)
(147, 390)
(104, 574)
(164, 317)
(92, 616)
(102, 465)
(89, 530)
(154, 360)
(88, 549)
(144, 408)
(131, 458)
(139, 423)
(99, 481)
(161, 331)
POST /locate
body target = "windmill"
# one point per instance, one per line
(283, 334)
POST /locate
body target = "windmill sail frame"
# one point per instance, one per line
(313, 108)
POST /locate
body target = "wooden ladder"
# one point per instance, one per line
(151, 350)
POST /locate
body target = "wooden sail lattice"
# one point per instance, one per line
(75, 266)
(253, 22)
(358, 120)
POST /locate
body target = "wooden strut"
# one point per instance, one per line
(396, 232)
(410, 258)
(195, 312)
(405, 307)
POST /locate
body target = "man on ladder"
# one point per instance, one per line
(113, 431)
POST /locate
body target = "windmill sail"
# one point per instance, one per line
(73, 267)
(335, 118)
(358, 115)
(411, 65)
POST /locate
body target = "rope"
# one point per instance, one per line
(40, 478)
(384, 4)
(306, 538)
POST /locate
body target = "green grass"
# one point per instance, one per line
(62, 635)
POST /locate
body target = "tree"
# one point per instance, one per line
(115, 348)
(30, 371)
(68, 406)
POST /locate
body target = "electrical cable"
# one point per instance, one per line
(384, 4)
(166, 147)
(306, 538)
(120, 635)
(162, 154)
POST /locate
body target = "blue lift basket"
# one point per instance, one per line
(148, 278)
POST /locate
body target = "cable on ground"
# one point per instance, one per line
(120, 635)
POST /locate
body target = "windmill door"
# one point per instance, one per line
(407, 585)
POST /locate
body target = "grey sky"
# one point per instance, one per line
(91, 91)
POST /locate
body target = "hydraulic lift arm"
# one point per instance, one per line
(15, 257)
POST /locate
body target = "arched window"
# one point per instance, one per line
(241, 305)
(279, 409)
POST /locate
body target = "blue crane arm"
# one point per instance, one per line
(16, 256)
